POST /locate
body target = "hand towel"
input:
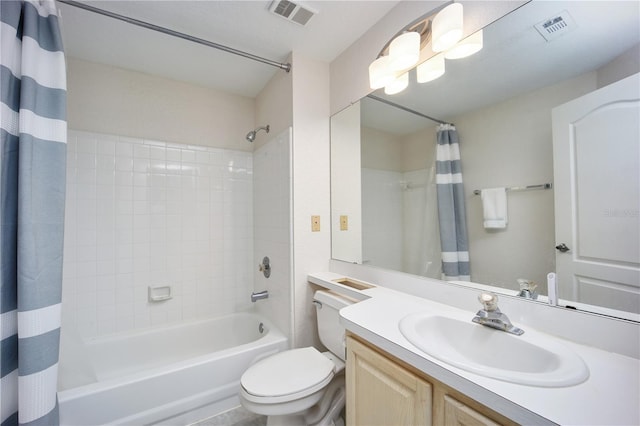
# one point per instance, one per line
(494, 207)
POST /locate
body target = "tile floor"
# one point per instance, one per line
(236, 417)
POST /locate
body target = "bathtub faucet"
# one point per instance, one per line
(264, 294)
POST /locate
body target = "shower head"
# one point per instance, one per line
(251, 136)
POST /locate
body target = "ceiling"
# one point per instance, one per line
(248, 26)
(515, 59)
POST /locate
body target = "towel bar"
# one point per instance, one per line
(520, 188)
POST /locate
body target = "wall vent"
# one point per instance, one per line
(291, 11)
(556, 26)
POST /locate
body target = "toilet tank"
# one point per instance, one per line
(329, 328)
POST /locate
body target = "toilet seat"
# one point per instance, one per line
(287, 376)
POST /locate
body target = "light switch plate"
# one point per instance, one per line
(315, 223)
(344, 223)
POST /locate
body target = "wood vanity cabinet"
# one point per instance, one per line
(382, 390)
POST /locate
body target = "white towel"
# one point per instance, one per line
(494, 207)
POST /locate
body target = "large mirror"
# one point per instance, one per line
(503, 103)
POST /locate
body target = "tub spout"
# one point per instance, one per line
(264, 294)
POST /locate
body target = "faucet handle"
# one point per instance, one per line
(489, 301)
(527, 284)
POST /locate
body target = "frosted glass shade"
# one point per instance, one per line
(466, 47)
(380, 74)
(404, 51)
(447, 27)
(431, 69)
(397, 85)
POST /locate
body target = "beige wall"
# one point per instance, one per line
(112, 100)
(274, 106)
(381, 150)
(398, 153)
(419, 149)
(623, 66)
(311, 192)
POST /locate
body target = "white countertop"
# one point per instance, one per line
(610, 396)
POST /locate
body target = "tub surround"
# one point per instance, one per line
(609, 396)
(143, 213)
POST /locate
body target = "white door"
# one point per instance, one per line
(596, 151)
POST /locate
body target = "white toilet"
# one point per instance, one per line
(302, 386)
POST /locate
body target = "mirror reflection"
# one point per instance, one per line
(504, 102)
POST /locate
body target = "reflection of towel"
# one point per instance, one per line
(494, 206)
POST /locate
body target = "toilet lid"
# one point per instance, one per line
(287, 373)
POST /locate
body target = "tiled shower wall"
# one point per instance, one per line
(143, 213)
(382, 218)
(400, 221)
(272, 201)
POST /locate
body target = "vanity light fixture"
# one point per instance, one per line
(400, 55)
(440, 33)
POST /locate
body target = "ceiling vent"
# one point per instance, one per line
(556, 26)
(291, 11)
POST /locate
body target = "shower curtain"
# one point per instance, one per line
(451, 206)
(33, 134)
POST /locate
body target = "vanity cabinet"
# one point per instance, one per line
(382, 390)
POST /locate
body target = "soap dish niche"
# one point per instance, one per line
(159, 294)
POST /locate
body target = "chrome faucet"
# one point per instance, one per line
(527, 289)
(264, 294)
(491, 316)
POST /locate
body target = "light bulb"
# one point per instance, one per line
(430, 69)
(447, 27)
(404, 51)
(466, 47)
(380, 74)
(397, 85)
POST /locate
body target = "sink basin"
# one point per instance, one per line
(530, 359)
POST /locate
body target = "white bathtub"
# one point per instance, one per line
(171, 375)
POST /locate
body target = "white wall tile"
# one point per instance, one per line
(124, 149)
(142, 213)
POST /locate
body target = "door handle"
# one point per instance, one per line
(562, 247)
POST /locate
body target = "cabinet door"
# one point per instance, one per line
(456, 413)
(380, 392)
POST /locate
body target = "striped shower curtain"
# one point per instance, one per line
(33, 134)
(451, 207)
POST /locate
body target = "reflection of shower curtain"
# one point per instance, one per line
(451, 207)
(422, 245)
(33, 135)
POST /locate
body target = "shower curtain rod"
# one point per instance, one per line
(284, 66)
(407, 109)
